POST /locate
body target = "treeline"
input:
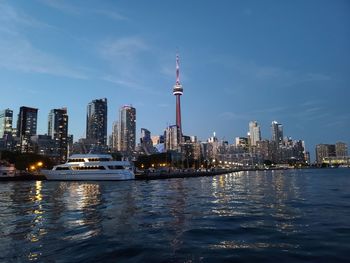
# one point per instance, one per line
(24, 161)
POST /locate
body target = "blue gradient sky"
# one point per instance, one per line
(240, 60)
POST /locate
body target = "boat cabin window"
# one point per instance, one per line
(89, 168)
(99, 159)
(62, 168)
(76, 160)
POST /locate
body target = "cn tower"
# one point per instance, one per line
(177, 91)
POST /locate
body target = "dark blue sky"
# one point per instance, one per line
(240, 60)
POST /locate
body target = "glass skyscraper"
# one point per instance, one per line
(277, 132)
(96, 121)
(6, 117)
(26, 127)
(58, 131)
(254, 131)
(127, 129)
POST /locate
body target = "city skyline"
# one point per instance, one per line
(272, 63)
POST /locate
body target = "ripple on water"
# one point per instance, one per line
(244, 217)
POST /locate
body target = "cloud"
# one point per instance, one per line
(110, 14)
(271, 110)
(11, 19)
(122, 48)
(316, 77)
(261, 74)
(128, 84)
(18, 53)
(126, 60)
(68, 8)
(61, 5)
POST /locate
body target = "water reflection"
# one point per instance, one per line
(175, 220)
(82, 219)
(261, 199)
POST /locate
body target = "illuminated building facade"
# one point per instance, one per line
(127, 129)
(58, 131)
(96, 121)
(26, 127)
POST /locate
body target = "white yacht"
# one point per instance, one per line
(93, 167)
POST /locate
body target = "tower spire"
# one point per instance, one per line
(177, 70)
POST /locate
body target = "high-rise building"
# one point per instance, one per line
(96, 122)
(58, 130)
(6, 117)
(241, 141)
(341, 149)
(254, 133)
(177, 92)
(277, 132)
(145, 136)
(157, 139)
(26, 127)
(115, 136)
(324, 150)
(127, 129)
(146, 141)
(171, 138)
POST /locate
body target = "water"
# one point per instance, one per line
(296, 216)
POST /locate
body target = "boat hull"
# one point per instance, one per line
(88, 175)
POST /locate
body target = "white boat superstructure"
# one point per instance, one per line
(93, 167)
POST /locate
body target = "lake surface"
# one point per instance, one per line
(274, 216)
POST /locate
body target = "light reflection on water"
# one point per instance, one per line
(243, 215)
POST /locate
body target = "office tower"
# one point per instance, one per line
(58, 131)
(171, 138)
(96, 122)
(177, 92)
(324, 150)
(341, 149)
(146, 141)
(115, 136)
(277, 132)
(127, 129)
(26, 127)
(6, 117)
(254, 133)
(145, 137)
(241, 141)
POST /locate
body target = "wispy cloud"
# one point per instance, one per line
(122, 48)
(110, 14)
(11, 19)
(125, 57)
(276, 109)
(62, 6)
(311, 103)
(124, 83)
(68, 8)
(18, 53)
(256, 73)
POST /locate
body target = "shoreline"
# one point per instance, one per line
(158, 175)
